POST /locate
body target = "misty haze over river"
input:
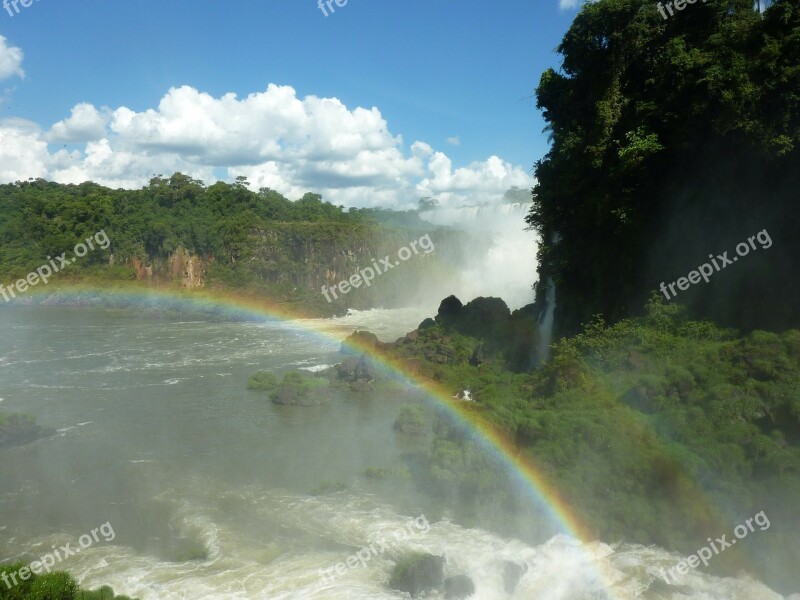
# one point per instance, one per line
(208, 486)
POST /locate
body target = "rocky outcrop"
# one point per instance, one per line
(188, 269)
(143, 272)
(512, 573)
(417, 574)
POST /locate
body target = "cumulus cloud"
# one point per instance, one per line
(10, 60)
(274, 138)
(85, 124)
(23, 153)
(477, 183)
(454, 140)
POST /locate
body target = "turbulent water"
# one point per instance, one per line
(208, 486)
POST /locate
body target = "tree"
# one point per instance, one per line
(671, 140)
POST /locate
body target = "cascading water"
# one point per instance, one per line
(546, 319)
(508, 267)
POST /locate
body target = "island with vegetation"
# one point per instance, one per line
(20, 429)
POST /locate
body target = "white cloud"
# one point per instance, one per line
(454, 140)
(570, 4)
(23, 153)
(10, 60)
(85, 124)
(478, 183)
(275, 139)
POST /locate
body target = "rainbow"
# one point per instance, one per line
(523, 468)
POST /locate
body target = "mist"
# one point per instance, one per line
(503, 262)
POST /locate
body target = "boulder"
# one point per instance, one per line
(355, 369)
(512, 573)
(417, 574)
(458, 587)
(449, 311)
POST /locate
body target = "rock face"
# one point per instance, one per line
(354, 369)
(359, 340)
(479, 318)
(458, 587)
(512, 573)
(189, 269)
(417, 574)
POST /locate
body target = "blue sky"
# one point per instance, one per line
(379, 103)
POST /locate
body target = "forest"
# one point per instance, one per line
(671, 140)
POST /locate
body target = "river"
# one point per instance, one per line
(208, 487)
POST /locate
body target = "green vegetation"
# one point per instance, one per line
(672, 140)
(19, 429)
(303, 389)
(658, 429)
(50, 586)
(375, 473)
(178, 232)
(263, 380)
(411, 421)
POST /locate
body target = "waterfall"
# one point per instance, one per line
(508, 267)
(546, 318)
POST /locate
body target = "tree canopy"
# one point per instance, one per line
(671, 140)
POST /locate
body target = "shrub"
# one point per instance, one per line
(411, 420)
(263, 380)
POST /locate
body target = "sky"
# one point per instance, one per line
(373, 103)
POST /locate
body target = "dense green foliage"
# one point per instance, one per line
(256, 243)
(411, 420)
(40, 218)
(301, 388)
(671, 140)
(49, 586)
(658, 429)
(263, 380)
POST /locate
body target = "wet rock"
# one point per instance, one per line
(417, 574)
(458, 587)
(512, 573)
